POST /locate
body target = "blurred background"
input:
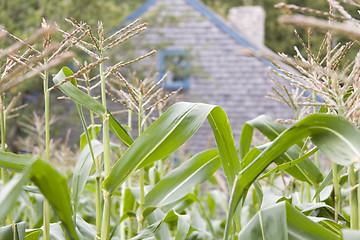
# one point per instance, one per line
(199, 49)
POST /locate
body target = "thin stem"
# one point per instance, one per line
(46, 235)
(97, 178)
(142, 199)
(308, 194)
(88, 138)
(4, 172)
(354, 208)
(142, 171)
(336, 176)
(105, 229)
(98, 198)
(122, 205)
(203, 212)
(131, 220)
(337, 204)
(123, 188)
(47, 117)
(317, 163)
(46, 222)
(316, 155)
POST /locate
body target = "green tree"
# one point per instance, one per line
(24, 16)
(280, 37)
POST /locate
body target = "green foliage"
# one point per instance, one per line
(15, 232)
(52, 185)
(180, 181)
(303, 171)
(23, 17)
(290, 224)
(167, 134)
(144, 196)
(333, 135)
(83, 168)
(87, 101)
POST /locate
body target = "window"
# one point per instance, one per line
(176, 62)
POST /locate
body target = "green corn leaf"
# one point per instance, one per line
(321, 210)
(182, 223)
(304, 170)
(82, 169)
(183, 226)
(245, 139)
(336, 137)
(15, 231)
(148, 232)
(169, 132)
(181, 204)
(328, 224)
(10, 193)
(15, 162)
(85, 100)
(250, 156)
(259, 193)
(287, 165)
(33, 234)
(267, 126)
(86, 132)
(85, 228)
(181, 180)
(129, 201)
(283, 221)
(163, 231)
(83, 140)
(327, 180)
(219, 123)
(54, 187)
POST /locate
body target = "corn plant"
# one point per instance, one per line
(168, 133)
(321, 76)
(125, 190)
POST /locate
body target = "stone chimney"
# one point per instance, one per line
(250, 23)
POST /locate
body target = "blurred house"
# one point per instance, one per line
(201, 50)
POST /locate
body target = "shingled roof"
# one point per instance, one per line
(212, 16)
(232, 81)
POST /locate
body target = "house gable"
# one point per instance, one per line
(221, 75)
(206, 12)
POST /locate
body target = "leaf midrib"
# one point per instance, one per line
(353, 148)
(157, 145)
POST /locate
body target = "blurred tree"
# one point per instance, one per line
(24, 16)
(279, 37)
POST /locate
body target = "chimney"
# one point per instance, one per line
(250, 23)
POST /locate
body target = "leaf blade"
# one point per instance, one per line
(85, 100)
(169, 132)
(54, 187)
(331, 134)
(82, 169)
(180, 181)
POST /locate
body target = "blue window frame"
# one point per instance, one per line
(176, 62)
